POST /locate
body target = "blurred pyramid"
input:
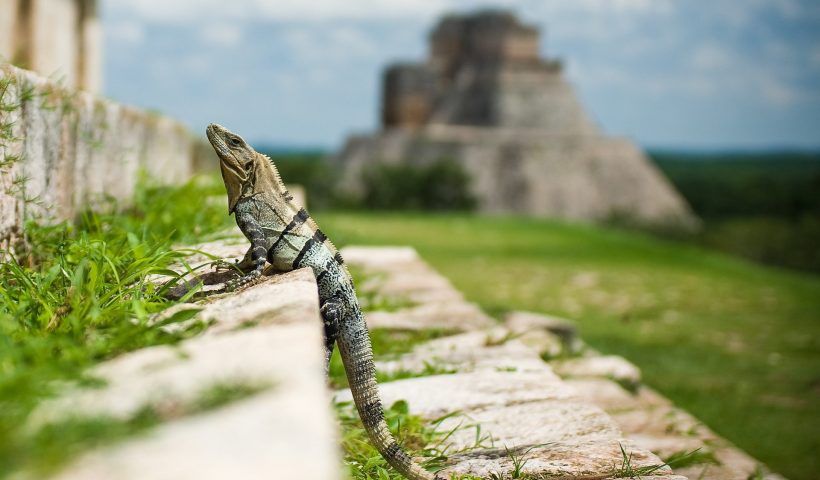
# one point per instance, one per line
(486, 99)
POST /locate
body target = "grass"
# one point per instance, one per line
(683, 458)
(422, 438)
(370, 300)
(79, 295)
(735, 343)
(627, 470)
(389, 343)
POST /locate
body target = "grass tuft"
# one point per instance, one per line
(425, 440)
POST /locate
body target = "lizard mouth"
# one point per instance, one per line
(216, 134)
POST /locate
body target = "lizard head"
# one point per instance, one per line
(236, 160)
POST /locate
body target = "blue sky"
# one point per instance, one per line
(701, 74)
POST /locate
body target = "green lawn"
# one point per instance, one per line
(735, 343)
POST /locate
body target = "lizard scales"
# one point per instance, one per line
(283, 234)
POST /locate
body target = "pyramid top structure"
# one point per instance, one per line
(484, 69)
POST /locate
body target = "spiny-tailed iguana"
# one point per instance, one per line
(282, 232)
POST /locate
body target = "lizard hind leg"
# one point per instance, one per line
(332, 311)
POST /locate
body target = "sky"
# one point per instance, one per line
(690, 74)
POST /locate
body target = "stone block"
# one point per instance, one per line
(447, 315)
(482, 350)
(520, 322)
(11, 151)
(603, 366)
(604, 393)
(55, 43)
(530, 412)
(286, 430)
(400, 273)
(8, 20)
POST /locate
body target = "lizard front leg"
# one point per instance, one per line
(245, 265)
(256, 253)
(332, 311)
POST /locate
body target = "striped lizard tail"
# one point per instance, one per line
(357, 356)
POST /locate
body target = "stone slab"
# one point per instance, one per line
(273, 435)
(483, 350)
(603, 366)
(448, 315)
(519, 410)
(652, 423)
(519, 322)
(399, 272)
(287, 428)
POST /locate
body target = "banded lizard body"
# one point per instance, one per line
(283, 234)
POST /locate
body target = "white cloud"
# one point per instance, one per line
(328, 44)
(198, 64)
(814, 56)
(179, 11)
(349, 10)
(222, 35)
(777, 93)
(711, 57)
(127, 32)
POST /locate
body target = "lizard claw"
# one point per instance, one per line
(221, 264)
(244, 281)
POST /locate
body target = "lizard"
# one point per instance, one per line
(282, 233)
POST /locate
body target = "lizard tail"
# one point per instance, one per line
(357, 356)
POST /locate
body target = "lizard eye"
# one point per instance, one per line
(235, 141)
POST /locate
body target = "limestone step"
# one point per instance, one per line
(647, 418)
(525, 411)
(497, 369)
(398, 272)
(267, 337)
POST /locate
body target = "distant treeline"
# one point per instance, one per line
(784, 185)
(764, 206)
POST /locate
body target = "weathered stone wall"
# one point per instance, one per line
(57, 38)
(62, 150)
(407, 95)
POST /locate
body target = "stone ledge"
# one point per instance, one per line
(400, 272)
(287, 428)
(519, 410)
(501, 383)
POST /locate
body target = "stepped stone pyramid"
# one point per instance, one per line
(486, 99)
